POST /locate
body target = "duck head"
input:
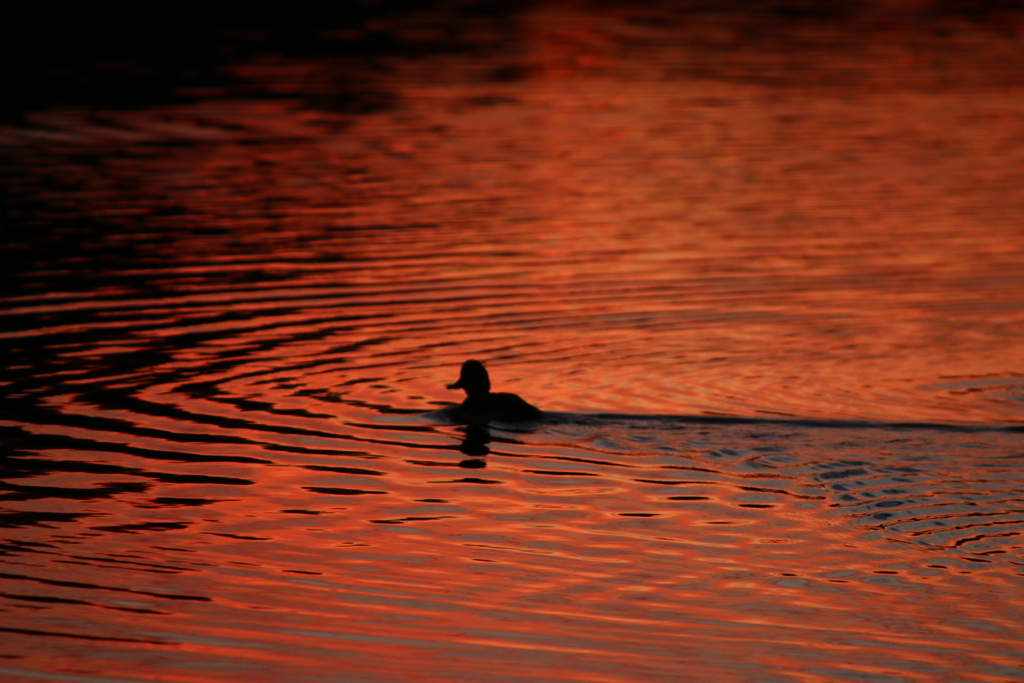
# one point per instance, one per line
(473, 379)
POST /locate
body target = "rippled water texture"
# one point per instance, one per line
(768, 283)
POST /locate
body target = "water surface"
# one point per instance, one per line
(770, 294)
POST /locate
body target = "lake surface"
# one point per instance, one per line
(764, 271)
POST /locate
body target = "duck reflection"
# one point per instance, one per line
(474, 444)
(475, 441)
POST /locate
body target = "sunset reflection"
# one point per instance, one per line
(757, 275)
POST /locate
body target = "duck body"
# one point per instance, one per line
(495, 407)
(482, 406)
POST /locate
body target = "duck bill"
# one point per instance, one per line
(456, 385)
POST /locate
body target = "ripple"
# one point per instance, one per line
(779, 365)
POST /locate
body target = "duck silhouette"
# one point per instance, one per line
(482, 406)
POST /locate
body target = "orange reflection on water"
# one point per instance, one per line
(741, 251)
(220, 468)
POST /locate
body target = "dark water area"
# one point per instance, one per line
(760, 264)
